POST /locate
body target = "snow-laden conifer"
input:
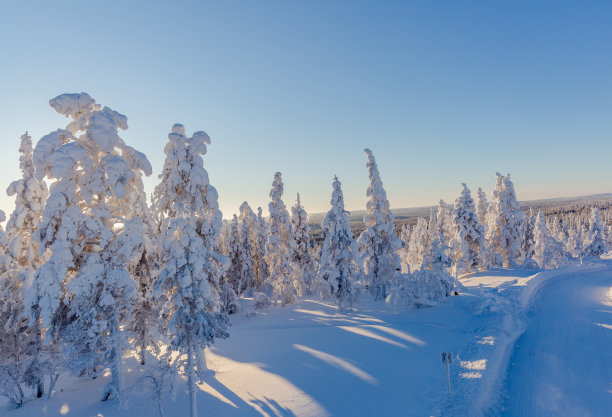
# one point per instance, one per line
(249, 253)
(548, 251)
(21, 259)
(303, 268)
(482, 207)
(190, 222)
(246, 260)
(405, 234)
(340, 263)
(378, 244)
(418, 246)
(280, 279)
(503, 223)
(596, 245)
(261, 264)
(232, 274)
(444, 223)
(84, 292)
(527, 248)
(468, 245)
(575, 240)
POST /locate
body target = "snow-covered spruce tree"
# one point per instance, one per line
(20, 262)
(504, 223)
(339, 264)
(303, 267)
(15, 354)
(528, 238)
(378, 243)
(435, 283)
(558, 230)
(482, 207)
(405, 234)
(261, 263)
(541, 252)
(280, 279)
(596, 245)
(418, 246)
(84, 292)
(468, 246)
(575, 241)
(144, 324)
(248, 236)
(190, 223)
(444, 223)
(232, 274)
(548, 251)
(246, 260)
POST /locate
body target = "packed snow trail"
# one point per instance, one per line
(562, 364)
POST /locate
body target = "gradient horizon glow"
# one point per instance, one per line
(442, 92)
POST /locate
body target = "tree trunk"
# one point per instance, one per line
(40, 384)
(202, 367)
(143, 349)
(193, 409)
(53, 380)
(116, 365)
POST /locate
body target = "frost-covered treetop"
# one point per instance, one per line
(185, 186)
(30, 193)
(58, 154)
(335, 214)
(277, 188)
(378, 209)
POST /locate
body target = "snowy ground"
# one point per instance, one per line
(306, 359)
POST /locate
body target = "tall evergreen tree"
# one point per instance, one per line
(418, 246)
(482, 207)
(261, 265)
(246, 273)
(303, 268)
(20, 263)
(596, 245)
(339, 265)
(84, 292)
(190, 223)
(280, 278)
(250, 253)
(504, 223)
(548, 251)
(378, 243)
(528, 237)
(468, 245)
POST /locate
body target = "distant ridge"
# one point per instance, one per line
(414, 212)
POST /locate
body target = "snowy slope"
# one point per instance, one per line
(306, 359)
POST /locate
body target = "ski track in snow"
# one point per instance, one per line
(562, 364)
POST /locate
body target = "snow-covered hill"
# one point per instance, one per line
(307, 359)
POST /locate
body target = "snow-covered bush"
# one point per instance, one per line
(421, 288)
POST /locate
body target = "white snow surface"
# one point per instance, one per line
(525, 342)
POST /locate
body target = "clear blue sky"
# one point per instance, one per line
(442, 92)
